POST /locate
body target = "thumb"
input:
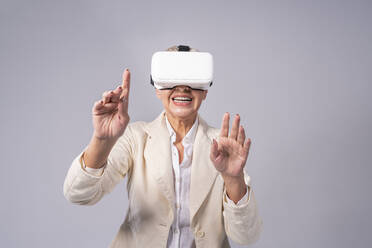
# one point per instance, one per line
(214, 150)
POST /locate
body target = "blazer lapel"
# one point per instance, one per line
(158, 156)
(203, 173)
(159, 162)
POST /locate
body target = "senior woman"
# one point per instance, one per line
(187, 186)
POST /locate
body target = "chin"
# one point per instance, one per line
(183, 113)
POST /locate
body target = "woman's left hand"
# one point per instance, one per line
(230, 153)
(229, 156)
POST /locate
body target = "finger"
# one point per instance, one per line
(241, 135)
(102, 108)
(214, 150)
(104, 94)
(235, 127)
(124, 98)
(106, 97)
(247, 146)
(225, 125)
(125, 84)
(98, 105)
(116, 94)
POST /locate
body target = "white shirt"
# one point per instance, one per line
(180, 234)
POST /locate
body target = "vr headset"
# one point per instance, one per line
(171, 69)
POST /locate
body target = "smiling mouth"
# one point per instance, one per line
(182, 99)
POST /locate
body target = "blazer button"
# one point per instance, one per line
(200, 234)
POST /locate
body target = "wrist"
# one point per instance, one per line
(97, 152)
(104, 142)
(233, 180)
(98, 137)
(235, 187)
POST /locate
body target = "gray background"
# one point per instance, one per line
(298, 72)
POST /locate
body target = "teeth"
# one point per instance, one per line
(182, 99)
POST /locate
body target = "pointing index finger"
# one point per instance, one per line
(126, 84)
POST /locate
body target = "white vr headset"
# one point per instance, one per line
(171, 69)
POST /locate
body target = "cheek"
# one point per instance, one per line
(163, 96)
(199, 98)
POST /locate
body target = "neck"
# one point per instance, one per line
(181, 126)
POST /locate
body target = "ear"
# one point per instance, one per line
(205, 92)
(158, 93)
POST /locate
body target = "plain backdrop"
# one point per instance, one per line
(298, 73)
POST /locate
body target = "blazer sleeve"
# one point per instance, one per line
(242, 222)
(85, 188)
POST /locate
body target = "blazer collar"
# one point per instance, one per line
(158, 127)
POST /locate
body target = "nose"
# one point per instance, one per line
(182, 88)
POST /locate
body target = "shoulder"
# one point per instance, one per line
(137, 126)
(136, 129)
(133, 136)
(212, 132)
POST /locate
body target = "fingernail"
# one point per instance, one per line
(120, 87)
(127, 69)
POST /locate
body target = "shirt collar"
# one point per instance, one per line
(189, 137)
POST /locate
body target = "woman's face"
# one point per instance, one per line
(181, 102)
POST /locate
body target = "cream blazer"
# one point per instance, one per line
(143, 154)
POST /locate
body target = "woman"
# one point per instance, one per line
(185, 188)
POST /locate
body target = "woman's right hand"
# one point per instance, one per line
(110, 114)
